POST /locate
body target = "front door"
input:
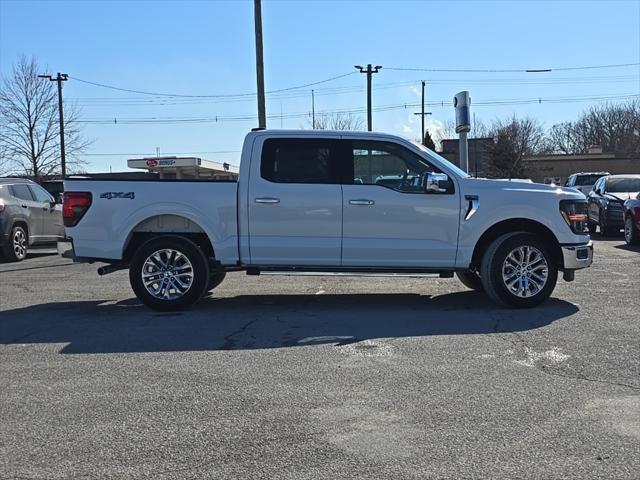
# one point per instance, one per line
(389, 221)
(295, 203)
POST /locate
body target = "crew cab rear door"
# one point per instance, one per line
(389, 220)
(295, 202)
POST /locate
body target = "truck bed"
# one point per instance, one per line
(122, 208)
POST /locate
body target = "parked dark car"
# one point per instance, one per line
(632, 221)
(29, 216)
(606, 202)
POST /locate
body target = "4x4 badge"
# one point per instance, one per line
(110, 195)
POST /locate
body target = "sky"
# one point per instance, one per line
(201, 56)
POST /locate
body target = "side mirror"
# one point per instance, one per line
(52, 203)
(597, 190)
(436, 183)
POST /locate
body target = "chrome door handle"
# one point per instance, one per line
(267, 200)
(361, 201)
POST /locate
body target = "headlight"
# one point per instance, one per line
(574, 213)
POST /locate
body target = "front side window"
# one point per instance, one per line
(299, 160)
(22, 192)
(388, 165)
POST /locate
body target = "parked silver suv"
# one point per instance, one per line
(29, 216)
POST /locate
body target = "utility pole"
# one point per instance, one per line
(369, 71)
(422, 114)
(61, 77)
(313, 110)
(257, 11)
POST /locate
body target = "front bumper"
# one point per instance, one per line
(576, 257)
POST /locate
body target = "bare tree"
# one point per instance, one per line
(29, 124)
(514, 139)
(614, 127)
(338, 121)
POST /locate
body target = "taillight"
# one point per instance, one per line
(74, 206)
(574, 213)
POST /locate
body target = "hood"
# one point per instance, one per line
(622, 196)
(521, 186)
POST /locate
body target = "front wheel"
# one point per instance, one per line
(169, 273)
(518, 271)
(630, 233)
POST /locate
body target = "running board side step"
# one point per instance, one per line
(351, 273)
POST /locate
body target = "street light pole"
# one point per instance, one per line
(61, 77)
(369, 71)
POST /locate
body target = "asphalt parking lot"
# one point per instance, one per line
(319, 377)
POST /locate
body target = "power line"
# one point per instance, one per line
(164, 101)
(381, 108)
(155, 94)
(515, 70)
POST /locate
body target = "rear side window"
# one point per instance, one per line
(300, 160)
(22, 192)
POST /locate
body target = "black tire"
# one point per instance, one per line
(606, 230)
(592, 227)
(158, 267)
(494, 261)
(470, 279)
(215, 279)
(15, 250)
(631, 236)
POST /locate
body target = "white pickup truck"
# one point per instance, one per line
(326, 202)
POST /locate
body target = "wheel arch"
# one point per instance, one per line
(518, 225)
(167, 224)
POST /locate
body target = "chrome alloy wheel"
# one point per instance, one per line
(167, 274)
(525, 271)
(20, 244)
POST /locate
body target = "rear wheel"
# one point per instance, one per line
(630, 233)
(518, 271)
(470, 279)
(15, 249)
(169, 273)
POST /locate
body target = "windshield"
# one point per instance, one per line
(587, 180)
(449, 165)
(620, 185)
